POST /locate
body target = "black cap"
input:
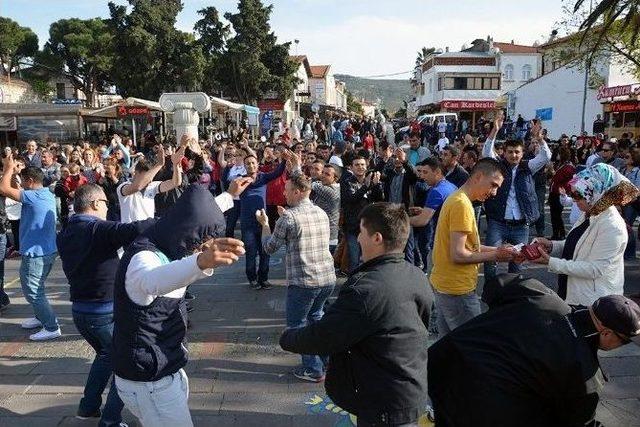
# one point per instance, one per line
(620, 314)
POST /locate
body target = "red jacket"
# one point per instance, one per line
(275, 188)
(72, 182)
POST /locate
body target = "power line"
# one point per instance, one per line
(386, 75)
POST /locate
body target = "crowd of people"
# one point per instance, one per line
(399, 217)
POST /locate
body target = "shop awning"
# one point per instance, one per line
(219, 103)
(111, 112)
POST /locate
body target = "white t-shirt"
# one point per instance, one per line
(335, 160)
(235, 172)
(442, 142)
(139, 205)
(442, 127)
(592, 158)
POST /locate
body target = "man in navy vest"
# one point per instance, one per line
(515, 206)
(88, 249)
(150, 312)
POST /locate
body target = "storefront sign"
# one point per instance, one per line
(270, 104)
(623, 107)
(468, 105)
(612, 92)
(127, 111)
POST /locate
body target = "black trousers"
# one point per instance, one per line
(557, 224)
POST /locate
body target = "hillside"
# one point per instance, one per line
(390, 92)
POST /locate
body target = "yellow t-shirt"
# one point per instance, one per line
(456, 215)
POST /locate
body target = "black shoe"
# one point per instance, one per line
(255, 286)
(189, 296)
(85, 415)
(266, 285)
(189, 308)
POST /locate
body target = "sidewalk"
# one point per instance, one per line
(238, 374)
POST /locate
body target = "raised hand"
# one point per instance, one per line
(281, 210)
(176, 157)
(238, 185)
(261, 216)
(401, 155)
(220, 252)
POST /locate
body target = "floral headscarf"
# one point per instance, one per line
(602, 186)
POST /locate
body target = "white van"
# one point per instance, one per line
(431, 118)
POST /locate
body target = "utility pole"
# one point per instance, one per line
(587, 64)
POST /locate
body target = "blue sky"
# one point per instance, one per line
(359, 37)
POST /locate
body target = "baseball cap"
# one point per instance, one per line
(620, 314)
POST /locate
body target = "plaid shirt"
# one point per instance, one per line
(304, 229)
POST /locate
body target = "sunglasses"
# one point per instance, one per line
(607, 149)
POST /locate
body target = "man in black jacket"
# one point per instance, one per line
(376, 331)
(531, 360)
(357, 190)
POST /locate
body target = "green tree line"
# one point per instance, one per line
(139, 50)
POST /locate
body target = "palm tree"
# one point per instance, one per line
(423, 54)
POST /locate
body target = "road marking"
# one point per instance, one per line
(11, 283)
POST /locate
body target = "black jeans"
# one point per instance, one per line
(557, 224)
(97, 330)
(232, 216)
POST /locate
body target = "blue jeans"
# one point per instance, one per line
(499, 233)
(409, 248)
(253, 246)
(454, 310)
(3, 253)
(541, 193)
(354, 250)
(97, 330)
(630, 215)
(33, 273)
(306, 306)
(424, 242)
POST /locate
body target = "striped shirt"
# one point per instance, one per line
(304, 229)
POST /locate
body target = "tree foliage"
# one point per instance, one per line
(82, 51)
(587, 46)
(609, 17)
(252, 64)
(16, 44)
(423, 54)
(353, 106)
(150, 55)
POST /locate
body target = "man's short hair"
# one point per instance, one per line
(300, 182)
(33, 173)
(323, 147)
(451, 149)
(357, 157)
(320, 161)
(487, 166)
(248, 156)
(143, 165)
(84, 195)
(514, 143)
(414, 135)
(433, 163)
(388, 219)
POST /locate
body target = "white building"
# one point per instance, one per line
(557, 95)
(518, 64)
(341, 96)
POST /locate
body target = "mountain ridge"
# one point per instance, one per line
(391, 92)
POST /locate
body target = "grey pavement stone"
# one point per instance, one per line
(621, 366)
(16, 384)
(28, 421)
(619, 412)
(622, 388)
(58, 383)
(265, 403)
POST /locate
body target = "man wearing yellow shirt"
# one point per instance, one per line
(457, 251)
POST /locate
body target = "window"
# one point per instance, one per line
(430, 85)
(448, 83)
(630, 119)
(459, 83)
(526, 72)
(60, 91)
(556, 64)
(508, 72)
(495, 83)
(439, 83)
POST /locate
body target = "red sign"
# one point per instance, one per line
(126, 111)
(270, 104)
(468, 105)
(612, 92)
(624, 106)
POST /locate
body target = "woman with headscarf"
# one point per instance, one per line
(150, 313)
(589, 262)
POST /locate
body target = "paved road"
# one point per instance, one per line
(238, 374)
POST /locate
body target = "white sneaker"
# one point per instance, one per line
(45, 335)
(31, 323)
